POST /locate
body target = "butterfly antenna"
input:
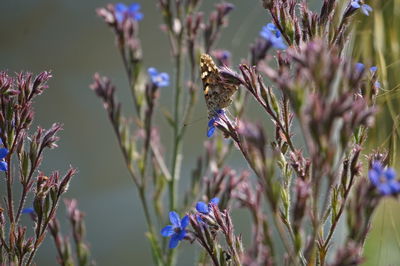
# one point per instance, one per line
(194, 121)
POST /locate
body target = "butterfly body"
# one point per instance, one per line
(217, 93)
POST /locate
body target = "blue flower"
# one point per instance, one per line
(204, 208)
(3, 164)
(359, 4)
(123, 11)
(27, 210)
(384, 179)
(272, 34)
(211, 126)
(158, 79)
(177, 230)
(373, 69)
(359, 67)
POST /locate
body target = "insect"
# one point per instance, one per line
(217, 93)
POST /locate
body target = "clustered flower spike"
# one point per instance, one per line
(360, 4)
(211, 123)
(177, 230)
(158, 79)
(3, 154)
(202, 207)
(272, 34)
(123, 11)
(384, 179)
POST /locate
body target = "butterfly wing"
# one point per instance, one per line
(217, 94)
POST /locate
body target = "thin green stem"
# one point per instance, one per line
(176, 161)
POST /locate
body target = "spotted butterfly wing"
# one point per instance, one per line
(217, 93)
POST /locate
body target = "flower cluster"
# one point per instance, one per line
(177, 230)
(23, 151)
(204, 208)
(334, 116)
(384, 179)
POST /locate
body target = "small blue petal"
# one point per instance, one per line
(134, 7)
(366, 9)
(184, 222)
(271, 27)
(120, 7)
(390, 174)
(220, 111)
(377, 166)
(3, 152)
(377, 84)
(138, 16)
(167, 231)
(394, 186)
(355, 4)
(120, 10)
(226, 55)
(210, 132)
(202, 207)
(359, 67)
(211, 122)
(384, 189)
(374, 177)
(27, 210)
(271, 33)
(152, 71)
(174, 241)
(174, 218)
(3, 166)
(214, 201)
(373, 68)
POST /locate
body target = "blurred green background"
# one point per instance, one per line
(69, 39)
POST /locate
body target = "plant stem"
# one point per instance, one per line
(176, 161)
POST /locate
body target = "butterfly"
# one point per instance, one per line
(217, 93)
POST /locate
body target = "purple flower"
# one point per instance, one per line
(123, 11)
(384, 179)
(158, 79)
(177, 230)
(211, 123)
(272, 34)
(202, 207)
(3, 164)
(356, 4)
